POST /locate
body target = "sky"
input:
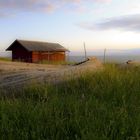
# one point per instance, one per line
(111, 24)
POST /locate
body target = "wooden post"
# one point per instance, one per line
(104, 55)
(68, 59)
(85, 51)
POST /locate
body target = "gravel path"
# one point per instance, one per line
(14, 74)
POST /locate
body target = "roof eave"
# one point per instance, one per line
(8, 49)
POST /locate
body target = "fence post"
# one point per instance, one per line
(104, 55)
(85, 51)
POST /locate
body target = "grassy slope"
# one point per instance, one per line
(5, 59)
(97, 106)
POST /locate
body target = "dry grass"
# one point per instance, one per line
(16, 73)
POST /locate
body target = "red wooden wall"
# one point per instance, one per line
(48, 56)
(20, 54)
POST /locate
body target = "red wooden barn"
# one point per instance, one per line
(33, 51)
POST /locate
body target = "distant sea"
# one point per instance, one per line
(109, 58)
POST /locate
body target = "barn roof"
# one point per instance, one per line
(38, 46)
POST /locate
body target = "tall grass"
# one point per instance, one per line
(96, 106)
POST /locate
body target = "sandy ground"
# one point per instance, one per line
(14, 74)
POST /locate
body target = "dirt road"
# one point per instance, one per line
(14, 74)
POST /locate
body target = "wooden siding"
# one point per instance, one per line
(35, 57)
(48, 56)
(20, 54)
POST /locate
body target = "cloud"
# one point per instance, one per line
(126, 23)
(18, 6)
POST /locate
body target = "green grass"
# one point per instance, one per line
(96, 106)
(5, 59)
